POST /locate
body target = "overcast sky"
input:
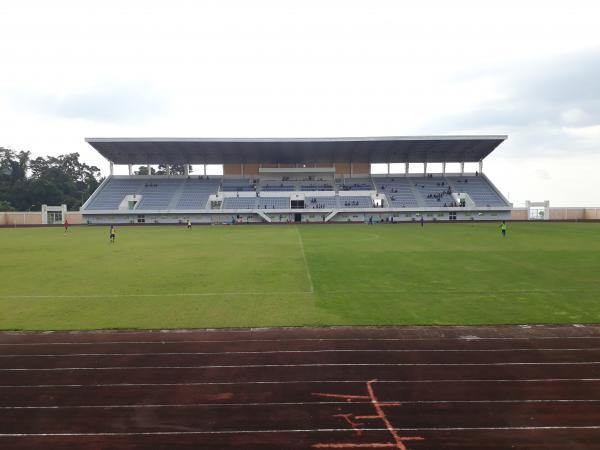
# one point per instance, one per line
(528, 69)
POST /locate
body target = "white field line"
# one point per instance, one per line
(309, 278)
(244, 383)
(275, 352)
(256, 366)
(210, 341)
(211, 405)
(191, 294)
(315, 430)
(307, 270)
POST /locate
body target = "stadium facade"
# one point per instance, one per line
(296, 180)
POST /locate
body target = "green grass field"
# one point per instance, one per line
(223, 276)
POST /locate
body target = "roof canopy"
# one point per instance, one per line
(296, 150)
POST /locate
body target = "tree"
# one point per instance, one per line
(176, 169)
(143, 170)
(13, 177)
(52, 180)
(5, 206)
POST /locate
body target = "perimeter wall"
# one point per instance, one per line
(558, 213)
(34, 218)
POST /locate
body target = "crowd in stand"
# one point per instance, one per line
(315, 204)
(356, 186)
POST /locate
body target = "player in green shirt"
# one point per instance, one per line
(503, 228)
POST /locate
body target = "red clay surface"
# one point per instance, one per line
(405, 388)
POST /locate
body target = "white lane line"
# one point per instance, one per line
(316, 430)
(270, 352)
(365, 339)
(306, 269)
(251, 366)
(243, 383)
(210, 405)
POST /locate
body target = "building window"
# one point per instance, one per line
(141, 219)
(452, 215)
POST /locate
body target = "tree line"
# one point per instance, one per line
(27, 184)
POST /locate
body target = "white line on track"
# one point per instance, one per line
(251, 366)
(206, 405)
(316, 430)
(243, 383)
(269, 352)
(204, 341)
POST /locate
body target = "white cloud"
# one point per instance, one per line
(572, 115)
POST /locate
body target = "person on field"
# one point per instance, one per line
(66, 225)
(422, 221)
(189, 224)
(112, 234)
(503, 228)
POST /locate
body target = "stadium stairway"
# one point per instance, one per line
(176, 196)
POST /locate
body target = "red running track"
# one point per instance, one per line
(405, 388)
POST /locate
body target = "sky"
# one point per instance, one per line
(327, 68)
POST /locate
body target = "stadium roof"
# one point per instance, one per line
(296, 150)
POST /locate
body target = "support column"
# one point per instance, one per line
(444, 168)
(242, 169)
(406, 168)
(149, 169)
(112, 168)
(186, 169)
(168, 166)
(130, 169)
(481, 166)
(388, 168)
(462, 167)
(425, 168)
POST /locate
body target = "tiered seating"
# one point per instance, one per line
(317, 187)
(273, 203)
(397, 191)
(478, 189)
(287, 185)
(195, 193)
(433, 190)
(354, 201)
(114, 191)
(278, 187)
(236, 184)
(357, 184)
(239, 203)
(157, 194)
(320, 202)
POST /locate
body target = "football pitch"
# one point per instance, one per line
(290, 275)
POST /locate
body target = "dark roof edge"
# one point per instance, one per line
(321, 139)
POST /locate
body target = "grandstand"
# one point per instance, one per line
(297, 180)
